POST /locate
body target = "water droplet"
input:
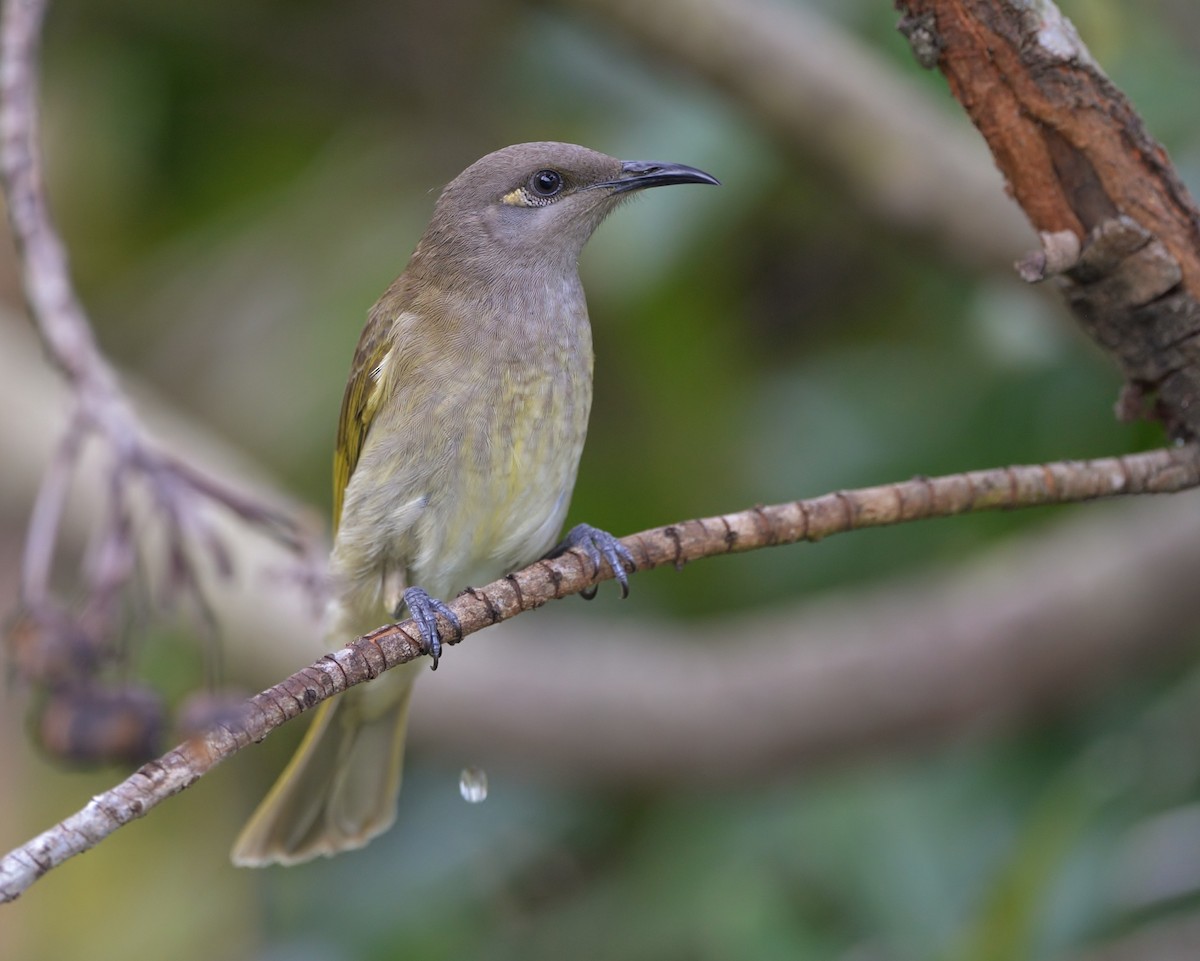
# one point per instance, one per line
(473, 785)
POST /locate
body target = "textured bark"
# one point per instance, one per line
(1152, 472)
(1118, 226)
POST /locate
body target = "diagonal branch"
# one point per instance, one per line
(1153, 472)
(1122, 244)
(1120, 232)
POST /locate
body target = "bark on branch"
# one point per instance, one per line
(1118, 227)
(1160, 471)
(995, 641)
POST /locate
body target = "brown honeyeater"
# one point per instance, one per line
(457, 448)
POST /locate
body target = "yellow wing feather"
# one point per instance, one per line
(364, 392)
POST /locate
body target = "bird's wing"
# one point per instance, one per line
(364, 392)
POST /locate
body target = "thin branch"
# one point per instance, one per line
(44, 274)
(180, 495)
(554, 696)
(969, 650)
(1158, 471)
(46, 516)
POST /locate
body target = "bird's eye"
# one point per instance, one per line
(546, 183)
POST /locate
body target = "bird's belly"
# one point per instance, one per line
(509, 536)
(505, 506)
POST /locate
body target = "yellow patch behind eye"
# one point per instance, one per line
(516, 198)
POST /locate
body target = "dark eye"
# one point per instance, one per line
(546, 183)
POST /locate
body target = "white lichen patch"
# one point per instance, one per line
(1055, 34)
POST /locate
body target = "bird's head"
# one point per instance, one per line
(538, 203)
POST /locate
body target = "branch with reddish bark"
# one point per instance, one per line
(1160, 471)
(1120, 233)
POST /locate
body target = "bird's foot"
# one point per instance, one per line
(424, 610)
(599, 546)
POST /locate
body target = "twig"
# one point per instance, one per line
(1041, 622)
(1036, 626)
(180, 495)
(1158, 471)
(46, 516)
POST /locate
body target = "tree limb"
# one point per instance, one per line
(988, 643)
(179, 495)
(1119, 229)
(1159, 471)
(1034, 627)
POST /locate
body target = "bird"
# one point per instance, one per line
(458, 444)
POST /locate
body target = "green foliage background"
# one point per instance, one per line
(238, 181)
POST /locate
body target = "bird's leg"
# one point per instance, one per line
(424, 610)
(599, 546)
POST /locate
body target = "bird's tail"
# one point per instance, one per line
(340, 788)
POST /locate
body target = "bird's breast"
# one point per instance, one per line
(515, 489)
(468, 466)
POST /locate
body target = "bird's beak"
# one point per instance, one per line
(639, 174)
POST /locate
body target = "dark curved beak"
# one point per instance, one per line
(639, 174)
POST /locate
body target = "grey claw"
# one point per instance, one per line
(424, 610)
(600, 546)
